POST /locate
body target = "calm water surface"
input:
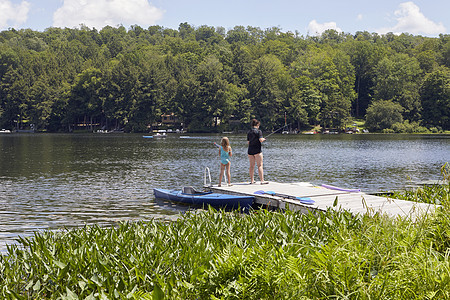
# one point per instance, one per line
(52, 181)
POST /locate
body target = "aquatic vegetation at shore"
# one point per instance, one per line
(433, 194)
(223, 255)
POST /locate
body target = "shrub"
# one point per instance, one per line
(383, 114)
(406, 127)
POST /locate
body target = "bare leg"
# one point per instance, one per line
(251, 158)
(228, 166)
(259, 163)
(222, 169)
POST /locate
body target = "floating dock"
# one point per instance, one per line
(304, 197)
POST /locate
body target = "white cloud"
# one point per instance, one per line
(12, 15)
(315, 28)
(100, 13)
(359, 17)
(411, 20)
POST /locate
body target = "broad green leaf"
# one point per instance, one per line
(70, 295)
(335, 203)
(60, 264)
(37, 286)
(157, 293)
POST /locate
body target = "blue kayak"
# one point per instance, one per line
(189, 195)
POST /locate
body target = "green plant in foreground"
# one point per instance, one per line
(222, 255)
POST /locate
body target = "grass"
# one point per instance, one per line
(360, 123)
(223, 255)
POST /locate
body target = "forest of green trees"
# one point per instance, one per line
(119, 78)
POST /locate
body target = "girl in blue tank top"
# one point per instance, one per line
(225, 161)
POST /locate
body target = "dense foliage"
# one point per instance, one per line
(117, 78)
(219, 255)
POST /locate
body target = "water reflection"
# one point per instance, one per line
(50, 181)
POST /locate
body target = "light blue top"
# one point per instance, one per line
(224, 156)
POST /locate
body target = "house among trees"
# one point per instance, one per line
(170, 120)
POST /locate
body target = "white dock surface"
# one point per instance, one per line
(324, 198)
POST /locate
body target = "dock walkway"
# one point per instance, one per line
(324, 198)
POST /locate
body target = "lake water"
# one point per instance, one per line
(52, 181)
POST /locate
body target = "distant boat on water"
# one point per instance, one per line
(160, 135)
(155, 136)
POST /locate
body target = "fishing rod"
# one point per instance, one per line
(285, 125)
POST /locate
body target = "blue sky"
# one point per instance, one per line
(418, 17)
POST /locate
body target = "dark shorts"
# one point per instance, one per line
(253, 150)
